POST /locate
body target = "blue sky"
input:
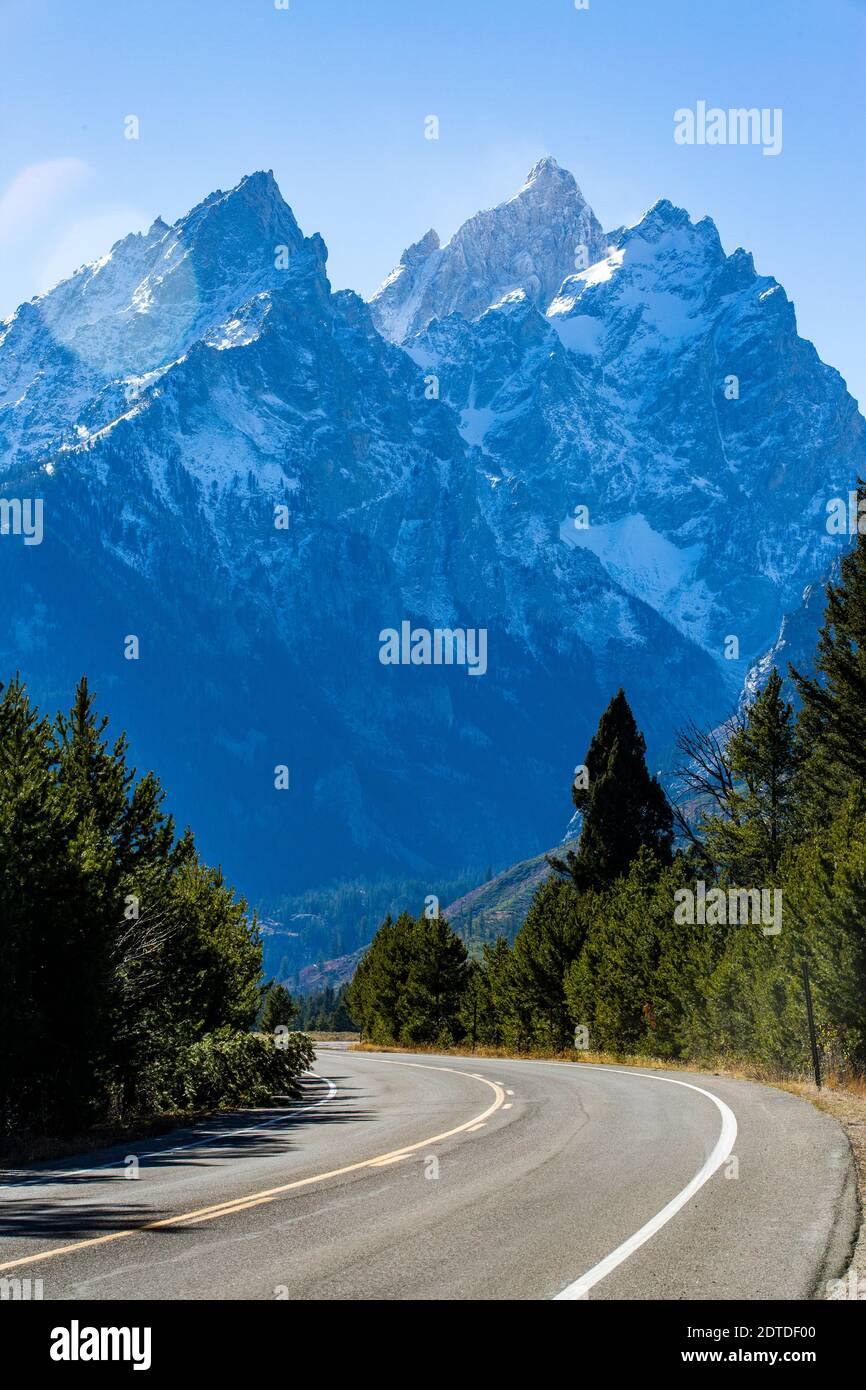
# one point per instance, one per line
(333, 94)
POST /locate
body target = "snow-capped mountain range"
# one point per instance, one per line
(255, 476)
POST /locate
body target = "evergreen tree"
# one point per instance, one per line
(501, 1017)
(35, 890)
(325, 1011)
(475, 1008)
(831, 725)
(549, 941)
(623, 807)
(748, 840)
(825, 888)
(377, 996)
(409, 985)
(436, 984)
(339, 1020)
(278, 1008)
(640, 978)
(214, 952)
(79, 989)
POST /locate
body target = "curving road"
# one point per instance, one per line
(421, 1177)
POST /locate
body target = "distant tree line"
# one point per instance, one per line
(130, 973)
(773, 803)
(339, 918)
(325, 1011)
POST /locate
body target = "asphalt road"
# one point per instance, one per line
(401, 1177)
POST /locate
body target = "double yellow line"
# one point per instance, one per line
(272, 1194)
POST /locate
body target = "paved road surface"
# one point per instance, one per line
(419, 1177)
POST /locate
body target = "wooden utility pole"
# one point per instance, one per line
(816, 1061)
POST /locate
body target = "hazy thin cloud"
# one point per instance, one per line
(35, 191)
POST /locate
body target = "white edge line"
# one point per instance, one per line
(579, 1289)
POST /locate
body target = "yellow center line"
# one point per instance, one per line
(271, 1194)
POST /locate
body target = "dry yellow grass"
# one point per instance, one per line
(332, 1037)
(741, 1070)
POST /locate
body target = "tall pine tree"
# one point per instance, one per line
(748, 840)
(549, 941)
(831, 726)
(36, 895)
(624, 809)
(278, 1008)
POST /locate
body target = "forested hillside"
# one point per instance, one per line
(327, 924)
(679, 931)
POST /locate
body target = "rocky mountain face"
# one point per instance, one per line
(256, 477)
(499, 907)
(665, 390)
(530, 243)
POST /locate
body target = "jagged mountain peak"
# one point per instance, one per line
(548, 190)
(663, 210)
(259, 188)
(647, 402)
(260, 179)
(664, 219)
(157, 292)
(546, 171)
(254, 207)
(547, 165)
(659, 271)
(530, 242)
(70, 356)
(428, 243)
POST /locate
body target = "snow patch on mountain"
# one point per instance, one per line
(644, 562)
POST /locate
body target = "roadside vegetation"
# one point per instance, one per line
(130, 972)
